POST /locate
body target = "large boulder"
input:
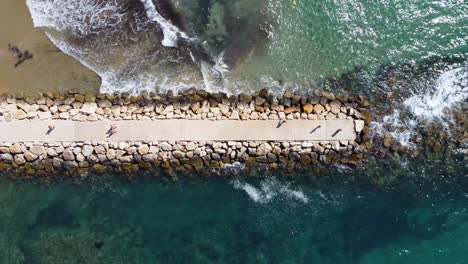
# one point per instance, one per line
(20, 114)
(143, 149)
(89, 108)
(19, 159)
(318, 109)
(308, 108)
(234, 115)
(15, 148)
(70, 165)
(263, 149)
(359, 125)
(29, 156)
(6, 157)
(38, 150)
(87, 150)
(68, 154)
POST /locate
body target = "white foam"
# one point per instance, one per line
(82, 17)
(269, 189)
(170, 31)
(234, 168)
(255, 194)
(65, 21)
(450, 89)
(401, 130)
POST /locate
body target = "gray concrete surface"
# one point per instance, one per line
(178, 130)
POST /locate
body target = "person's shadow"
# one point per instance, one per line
(50, 130)
(315, 129)
(336, 132)
(280, 123)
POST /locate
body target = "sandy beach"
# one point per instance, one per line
(48, 70)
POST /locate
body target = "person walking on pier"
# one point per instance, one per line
(112, 130)
(51, 128)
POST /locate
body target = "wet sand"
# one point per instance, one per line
(49, 69)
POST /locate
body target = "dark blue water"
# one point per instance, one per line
(419, 216)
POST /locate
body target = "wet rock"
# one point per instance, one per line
(196, 162)
(90, 98)
(99, 168)
(260, 101)
(70, 165)
(178, 154)
(245, 98)
(328, 95)
(367, 116)
(271, 157)
(388, 140)
(305, 159)
(104, 103)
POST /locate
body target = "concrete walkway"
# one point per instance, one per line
(178, 130)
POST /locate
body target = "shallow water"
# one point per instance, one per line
(249, 45)
(49, 70)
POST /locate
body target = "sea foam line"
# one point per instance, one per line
(269, 189)
(171, 32)
(449, 91)
(451, 88)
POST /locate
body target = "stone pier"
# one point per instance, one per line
(185, 133)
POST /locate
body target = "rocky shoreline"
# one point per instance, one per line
(31, 159)
(192, 104)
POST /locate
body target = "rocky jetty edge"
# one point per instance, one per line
(36, 159)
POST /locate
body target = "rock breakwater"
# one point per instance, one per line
(191, 104)
(29, 159)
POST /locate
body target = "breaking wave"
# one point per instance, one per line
(147, 45)
(270, 189)
(171, 32)
(450, 89)
(447, 93)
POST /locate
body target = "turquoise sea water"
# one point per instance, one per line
(404, 212)
(422, 217)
